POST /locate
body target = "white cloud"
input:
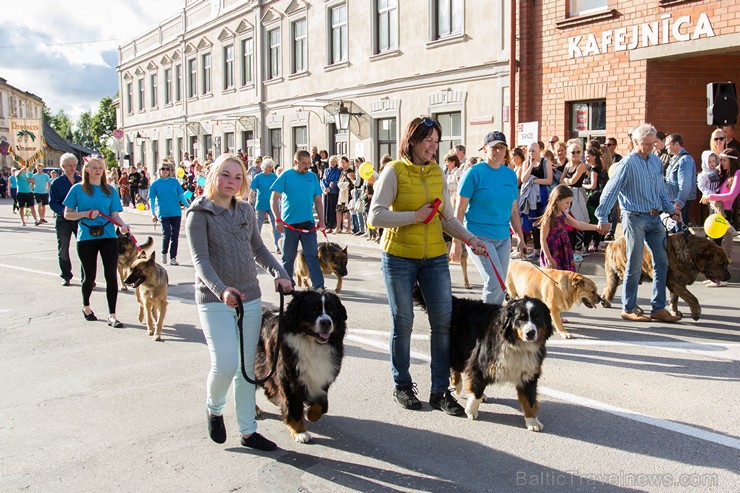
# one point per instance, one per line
(62, 50)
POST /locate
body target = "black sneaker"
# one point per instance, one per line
(443, 401)
(406, 396)
(257, 441)
(216, 428)
(609, 237)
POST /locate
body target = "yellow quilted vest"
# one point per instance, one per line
(417, 185)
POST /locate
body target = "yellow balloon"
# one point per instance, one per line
(366, 170)
(141, 207)
(716, 226)
(180, 172)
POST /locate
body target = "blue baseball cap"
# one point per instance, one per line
(493, 138)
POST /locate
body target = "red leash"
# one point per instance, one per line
(436, 207)
(133, 238)
(315, 228)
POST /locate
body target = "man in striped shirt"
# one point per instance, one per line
(638, 183)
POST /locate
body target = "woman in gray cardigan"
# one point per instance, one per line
(226, 246)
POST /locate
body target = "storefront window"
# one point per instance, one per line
(588, 120)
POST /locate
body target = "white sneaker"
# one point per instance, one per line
(535, 255)
(173, 261)
(716, 284)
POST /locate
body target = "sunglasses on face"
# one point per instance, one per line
(719, 139)
(428, 121)
(575, 152)
(164, 169)
(610, 145)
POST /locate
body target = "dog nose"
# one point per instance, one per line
(325, 324)
(531, 335)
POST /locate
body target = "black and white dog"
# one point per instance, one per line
(314, 326)
(498, 344)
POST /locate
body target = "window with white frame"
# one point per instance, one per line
(167, 86)
(192, 78)
(451, 131)
(178, 82)
(275, 144)
(580, 7)
(228, 67)
(153, 88)
(275, 56)
(300, 46)
(387, 137)
(300, 138)
(229, 142)
(339, 34)
(449, 15)
(141, 94)
(168, 148)
(206, 61)
(246, 61)
(155, 152)
(130, 97)
(387, 25)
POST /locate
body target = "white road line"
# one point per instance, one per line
(691, 431)
(34, 271)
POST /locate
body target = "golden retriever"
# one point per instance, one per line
(558, 289)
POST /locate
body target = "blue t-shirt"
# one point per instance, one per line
(298, 192)
(78, 200)
(13, 182)
(263, 183)
(42, 179)
(24, 186)
(492, 193)
(165, 197)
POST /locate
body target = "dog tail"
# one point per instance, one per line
(147, 244)
(418, 297)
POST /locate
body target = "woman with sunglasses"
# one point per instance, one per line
(165, 196)
(574, 175)
(718, 141)
(414, 252)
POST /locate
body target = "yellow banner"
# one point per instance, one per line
(26, 141)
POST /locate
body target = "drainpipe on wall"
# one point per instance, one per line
(512, 72)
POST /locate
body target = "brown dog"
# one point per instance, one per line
(127, 253)
(150, 281)
(333, 259)
(688, 255)
(558, 289)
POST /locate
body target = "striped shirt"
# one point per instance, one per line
(639, 185)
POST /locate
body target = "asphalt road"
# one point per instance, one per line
(84, 407)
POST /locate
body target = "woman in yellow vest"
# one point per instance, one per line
(415, 252)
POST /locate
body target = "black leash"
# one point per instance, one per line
(240, 326)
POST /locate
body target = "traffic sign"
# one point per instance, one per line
(118, 133)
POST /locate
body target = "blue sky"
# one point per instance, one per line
(66, 51)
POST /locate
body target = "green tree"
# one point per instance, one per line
(83, 132)
(46, 114)
(104, 121)
(61, 124)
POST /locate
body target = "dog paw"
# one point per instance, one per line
(124, 288)
(565, 335)
(533, 424)
(157, 337)
(258, 412)
(696, 315)
(605, 303)
(150, 332)
(471, 408)
(304, 437)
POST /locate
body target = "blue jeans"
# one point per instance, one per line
(433, 276)
(219, 326)
(358, 222)
(262, 217)
(639, 229)
(170, 235)
(499, 251)
(310, 252)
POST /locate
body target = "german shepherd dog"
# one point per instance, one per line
(333, 260)
(314, 325)
(127, 253)
(498, 344)
(150, 281)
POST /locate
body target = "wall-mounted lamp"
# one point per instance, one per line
(139, 138)
(343, 115)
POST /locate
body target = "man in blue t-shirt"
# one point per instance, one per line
(25, 181)
(259, 197)
(41, 191)
(294, 195)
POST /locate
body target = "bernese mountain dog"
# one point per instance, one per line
(311, 352)
(498, 344)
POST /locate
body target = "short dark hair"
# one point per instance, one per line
(660, 134)
(459, 147)
(301, 153)
(676, 138)
(453, 157)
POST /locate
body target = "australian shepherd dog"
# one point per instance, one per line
(314, 325)
(498, 344)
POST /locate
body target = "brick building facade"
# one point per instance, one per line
(615, 64)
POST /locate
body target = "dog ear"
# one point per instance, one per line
(118, 231)
(507, 316)
(345, 250)
(292, 312)
(152, 256)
